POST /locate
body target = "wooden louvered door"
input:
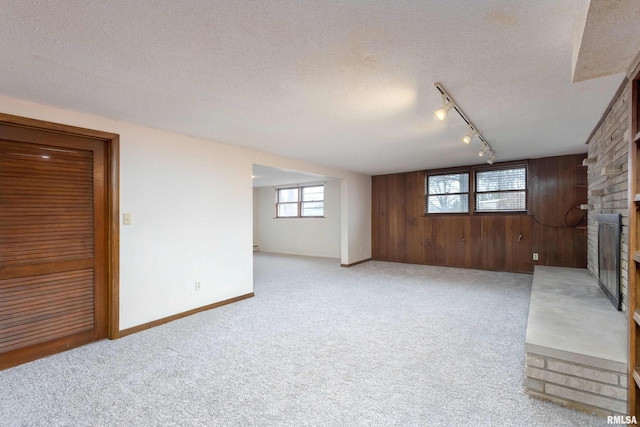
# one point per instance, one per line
(53, 292)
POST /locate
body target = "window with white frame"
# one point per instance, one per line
(447, 193)
(501, 190)
(300, 202)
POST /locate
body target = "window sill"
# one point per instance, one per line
(299, 217)
(447, 214)
(497, 213)
(489, 213)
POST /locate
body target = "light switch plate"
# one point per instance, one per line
(126, 219)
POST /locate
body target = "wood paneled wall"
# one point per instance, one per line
(556, 188)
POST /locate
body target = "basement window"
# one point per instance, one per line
(501, 190)
(300, 202)
(447, 193)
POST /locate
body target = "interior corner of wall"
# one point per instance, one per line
(634, 68)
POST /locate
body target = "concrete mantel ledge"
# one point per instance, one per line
(576, 342)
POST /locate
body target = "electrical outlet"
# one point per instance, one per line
(198, 286)
(535, 256)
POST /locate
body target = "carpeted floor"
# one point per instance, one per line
(378, 344)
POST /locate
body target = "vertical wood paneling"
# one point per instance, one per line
(412, 249)
(467, 242)
(527, 242)
(513, 248)
(475, 242)
(564, 247)
(493, 242)
(454, 250)
(403, 233)
(427, 239)
(404, 215)
(392, 205)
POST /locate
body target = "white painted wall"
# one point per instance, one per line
(191, 221)
(256, 213)
(356, 219)
(192, 208)
(299, 236)
(355, 210)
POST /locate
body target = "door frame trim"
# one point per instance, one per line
(112, 145)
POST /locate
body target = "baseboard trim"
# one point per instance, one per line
(355, 263)
(145, 326)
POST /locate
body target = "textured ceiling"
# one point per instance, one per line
(264, 176)
(347, 84)
(607, 39)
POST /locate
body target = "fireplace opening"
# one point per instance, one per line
(609, 234)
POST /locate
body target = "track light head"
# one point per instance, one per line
(442, 112)
(469, 136)
(485, 149)
(492, 158)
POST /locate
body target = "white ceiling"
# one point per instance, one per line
(346, 84)
(264, 176)
(607, 38)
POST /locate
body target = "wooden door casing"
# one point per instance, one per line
(57, 239)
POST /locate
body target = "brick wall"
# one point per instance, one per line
(602, 391)
(609, 145)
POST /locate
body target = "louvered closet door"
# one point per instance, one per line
(52, 243)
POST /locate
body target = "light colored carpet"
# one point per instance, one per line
(379, 344)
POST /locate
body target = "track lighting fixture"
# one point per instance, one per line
(441, 113)
(469, 136)
(485, 149)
